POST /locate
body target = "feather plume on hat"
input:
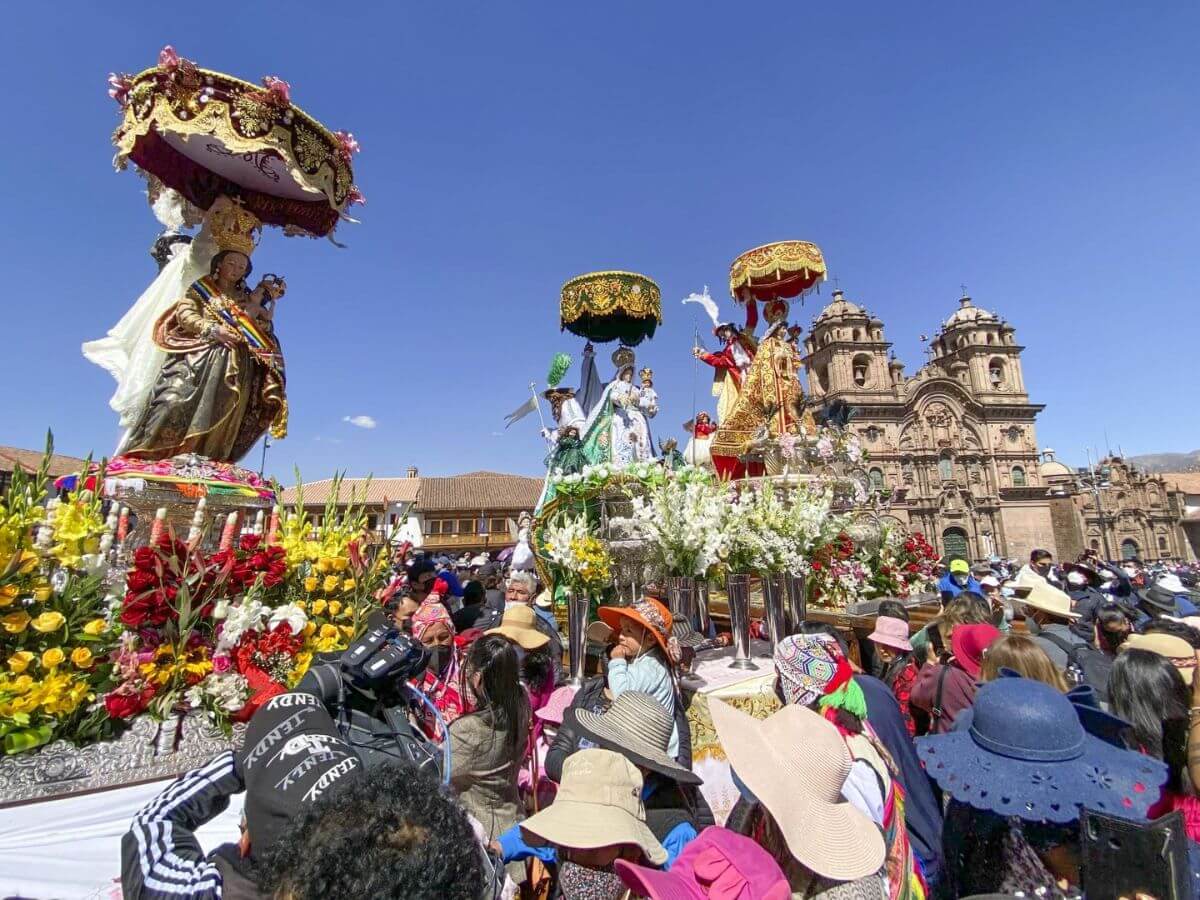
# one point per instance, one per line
(558, 368)
(707, 303)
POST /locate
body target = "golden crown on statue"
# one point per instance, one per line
(647, 373)
(235, 228)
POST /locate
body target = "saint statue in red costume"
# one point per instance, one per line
(732, 361)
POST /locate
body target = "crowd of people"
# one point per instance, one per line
(995, 750)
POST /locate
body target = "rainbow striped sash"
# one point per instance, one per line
(260, 344)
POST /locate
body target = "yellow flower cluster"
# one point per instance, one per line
(593, 565)
(76, 529)
(57, 694)
(165, 667)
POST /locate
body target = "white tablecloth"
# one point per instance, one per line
(71, 848)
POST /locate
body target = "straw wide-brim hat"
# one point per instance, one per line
(1046, 597)
(639, 728)
(795, 763)
(1177, 651)
(647, 612)
(519, 626)
(598, 804)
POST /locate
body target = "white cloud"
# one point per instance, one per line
(360, 421)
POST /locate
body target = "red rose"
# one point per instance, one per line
(140, 580)
(126, 706)
(144, 557)
(250, 542)
(146, 610)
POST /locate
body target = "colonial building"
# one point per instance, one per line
(13, 458)
(956, 442)
(1119, 511)
(470, 512)
(1187, 486)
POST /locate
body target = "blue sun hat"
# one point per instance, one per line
(1026, 754)
(1093, 717)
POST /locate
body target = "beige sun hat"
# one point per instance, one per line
(519, 625)
(599, 804)
(1178, 651)
(795, 763)
(1046, 597)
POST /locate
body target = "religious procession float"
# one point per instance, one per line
(149, 604)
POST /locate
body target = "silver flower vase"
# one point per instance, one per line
(774, 586)
(737, 588)
(577, 616)
(681, 599)
(703, 620)
(795, 602)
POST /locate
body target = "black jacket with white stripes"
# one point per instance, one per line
(160, 856)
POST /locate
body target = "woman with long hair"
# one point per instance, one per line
(488, 742)
(1021, 654)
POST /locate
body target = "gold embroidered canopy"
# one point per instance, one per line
(775, 271)
(610, 306)
(205, 134)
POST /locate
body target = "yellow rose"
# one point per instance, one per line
(340, 564)
(15, 623)
(95, 627)
(328, 631)
(27, 563)
(53, 657)
(335, 607)
(348, 584)
(22, 684)
(332, 583)
(8, 594)
(348, 630)
(309, 628)
(42, 594)
(311, 582)
(20, 661)
(318, 607)
(324, 565)
(49, 621)
(82, 657)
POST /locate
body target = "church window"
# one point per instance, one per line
(822, 374)
(945, 467)
(876, 480)
(857, 334)
(1162, 542)
(1129, 549)
(1018, 476)
(989, 337)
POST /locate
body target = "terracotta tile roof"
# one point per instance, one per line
(316, 493)
(470, 491)
(12, 458)
(1188, 482)
(479, 490)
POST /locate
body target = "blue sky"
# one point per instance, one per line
(1046, 155)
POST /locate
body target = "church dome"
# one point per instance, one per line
(1050, 467)
(838, 309)
(967, 314)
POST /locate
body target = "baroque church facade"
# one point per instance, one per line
(955, 443)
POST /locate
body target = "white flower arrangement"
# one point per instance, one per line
(219, 693)
(683, 520)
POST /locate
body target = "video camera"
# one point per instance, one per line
(367, 692)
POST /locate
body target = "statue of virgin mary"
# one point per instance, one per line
(198, 367)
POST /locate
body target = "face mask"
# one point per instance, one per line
(438, 658)
(960, 580)
(580, 883)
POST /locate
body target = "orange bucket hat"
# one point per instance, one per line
(647, 612)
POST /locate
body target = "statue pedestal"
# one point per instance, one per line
(177, 486)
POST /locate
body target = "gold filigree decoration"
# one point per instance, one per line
(253, 115)
(156, 105)
(310, 151)
(606, 293)
(776, 262)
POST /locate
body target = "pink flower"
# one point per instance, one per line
(222, 662)
(355, 196)
(168, 59)
(348, 144)
(280, 90)
(118, 87)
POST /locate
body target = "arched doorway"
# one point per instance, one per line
(1129, 549)
(954, 544)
